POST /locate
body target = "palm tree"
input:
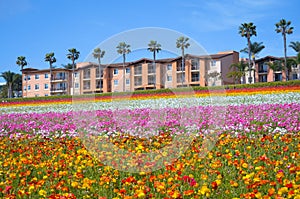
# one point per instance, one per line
(49, 57)
(295, 46)
(255, 49)
(182, 43)
(275, 66)
(21, 62)
(284, 28)
(248, 30)
(73, 55)
(214, 75)
(239, 70)
(98, 54)
(154, 47)
(123, 49)
(10, 78)
(293, 62)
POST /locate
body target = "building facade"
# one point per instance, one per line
(142, 74)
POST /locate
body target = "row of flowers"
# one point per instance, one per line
(142, 96)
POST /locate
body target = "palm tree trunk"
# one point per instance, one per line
(249, 59)
(182, 64)
(73, 75)
(154, 66)
(10, 90)
(50, 87)
(285, 67)
(124, 72)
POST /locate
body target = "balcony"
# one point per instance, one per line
(195, 67)
(137, 83)
(58, 89)
(59, 79)
(151, 69)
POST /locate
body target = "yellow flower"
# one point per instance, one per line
(42, 193)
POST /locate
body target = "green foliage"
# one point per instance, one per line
(167, 90)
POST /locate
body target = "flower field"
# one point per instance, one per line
(232, 144)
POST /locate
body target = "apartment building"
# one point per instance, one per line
(265, 74)
(37, 83)
(142, 74)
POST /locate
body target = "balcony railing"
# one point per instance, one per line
(58, 78)
(137, 83)
(195, 67)
(262, 71)
(179, 69)
(59, 89)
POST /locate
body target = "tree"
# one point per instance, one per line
(214, 75)
(248, 30)
(49, 57)
(182, 43)
(98, 54)
(21, 62)
(73, 55)
(239, 70)
(295, 46)
(10, 78)
(154, 47)
(284, 28)
(275, 66)
(123, 49)
(293, 62)
(255, 49)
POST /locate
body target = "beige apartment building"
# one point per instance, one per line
(141, 74)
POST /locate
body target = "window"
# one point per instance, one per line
(37, 87)
(46, 95)
(263, 78)
(24, 88)
(180, 76)
(116, 82)
(29, 87)
(179, 67)
(169, 78)
(37, 95)
(137, 81)
(295, 76)
(46, 86)
(28, 77)
(116, 71)
(278, 77)
(60, 76)
(195, 77)
(169, 67)
(76, 85)
(97, 73)
(213, 63)
(37, 77)
(86, 85)
(46, 75)
(127, 81)
(195, 64)
(86, 74)
(76, 74)
(151, 68)
(127, 70)
(98, 83)
(138, 70)
(263, 68)
(151, 79)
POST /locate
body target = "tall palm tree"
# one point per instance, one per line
(123, 49)
(295, 46)
(182, 43)
(284, 28)
(275, 66)
(154, 47)
(10, 78)
(255, 49)
(248, 30)
(98, 54)
(21, 62)
(239, 70)
(73, 55)
(49, 57)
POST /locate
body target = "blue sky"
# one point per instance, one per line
(33, 28)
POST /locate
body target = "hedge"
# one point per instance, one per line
(167, 90)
